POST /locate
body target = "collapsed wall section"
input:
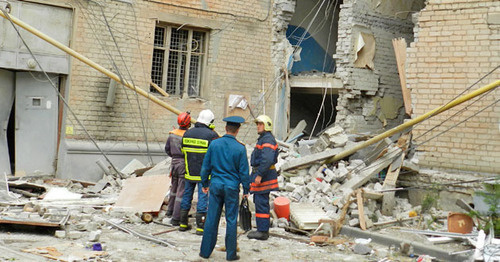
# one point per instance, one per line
(456, 44)
(371, 99)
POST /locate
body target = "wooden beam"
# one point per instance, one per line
(362, 222)
(400, 50)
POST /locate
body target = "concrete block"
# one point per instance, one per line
(60, 234)
(329, 175)
(75, 235)
(94, 236)
(290, 187)
(298, 180)
(339, 140)
(361, 249)
(353, 222)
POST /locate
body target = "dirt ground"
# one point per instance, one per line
(121, 246)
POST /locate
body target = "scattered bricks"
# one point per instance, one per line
(313, 169)
(330, 208)
(353, 222)
(75, 235)
(329, 175)
(353, 206)
(94, 236)
(297, 180)
(296, 196)
(60, 234)
(325, 187)
(336, 130)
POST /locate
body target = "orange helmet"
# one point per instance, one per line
(184, 119)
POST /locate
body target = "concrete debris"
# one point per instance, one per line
(362, 249)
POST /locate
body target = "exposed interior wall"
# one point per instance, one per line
(318, 43)
(371, 100)
(456, 44)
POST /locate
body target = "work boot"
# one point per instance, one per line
(183, 223)
(200, 223)
(169, 213)
(175, 222)
(259, 235)
(235, 258)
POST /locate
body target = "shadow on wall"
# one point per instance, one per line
(312, 56)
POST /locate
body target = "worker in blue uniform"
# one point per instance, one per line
(227, 164)
(264, 176)
(194, 144)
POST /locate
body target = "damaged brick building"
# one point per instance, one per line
(328, 62)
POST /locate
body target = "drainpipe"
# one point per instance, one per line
(91, 63)
(414, 121)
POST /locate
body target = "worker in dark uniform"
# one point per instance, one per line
(178, 168)
(195, 143)
(227, 164)
(264, 176)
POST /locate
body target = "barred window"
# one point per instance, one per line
(178, 66)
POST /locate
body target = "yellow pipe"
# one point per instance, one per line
(414, 121)
(91, 63)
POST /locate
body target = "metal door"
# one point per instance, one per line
(36, 123)
(6, 101)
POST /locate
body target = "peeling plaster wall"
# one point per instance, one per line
(371, 99)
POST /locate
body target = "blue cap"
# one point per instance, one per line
(234, 120)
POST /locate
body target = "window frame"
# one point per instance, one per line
(166, 48)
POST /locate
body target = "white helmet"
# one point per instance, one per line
(206, 117)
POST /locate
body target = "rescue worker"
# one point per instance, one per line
(227, 164)
(178, 168)
(195, 143)
(264, 176)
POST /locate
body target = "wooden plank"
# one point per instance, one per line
(372, 195)
(362, 222)
(294, 163)
(9, 220)
(400, 51)
(144, 194)
(388, 202)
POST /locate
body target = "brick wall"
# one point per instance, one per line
(239, 57)
(359, 107)
(456, 43)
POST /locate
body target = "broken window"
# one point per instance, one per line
(178, 59)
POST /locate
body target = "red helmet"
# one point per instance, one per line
(184, 119)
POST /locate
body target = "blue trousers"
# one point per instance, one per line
(262, 211)
(221, 194)
(187, 198)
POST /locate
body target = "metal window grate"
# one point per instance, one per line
(157, 67)
(170, 60)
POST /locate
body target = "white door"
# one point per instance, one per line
(6, 101)
(36, 123)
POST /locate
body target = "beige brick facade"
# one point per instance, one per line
(456, 44)
(239, 60)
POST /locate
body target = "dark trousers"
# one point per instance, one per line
(187, 198)
(175, 197)
(221, 194)
(262, 211)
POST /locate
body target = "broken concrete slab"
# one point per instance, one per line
(144, 194)
(299, 128)
(133, 165)
(162, 168)
(306, 160)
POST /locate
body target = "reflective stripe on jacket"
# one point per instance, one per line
(264, 156)
(195, 143)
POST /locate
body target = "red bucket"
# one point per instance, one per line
(282, 207)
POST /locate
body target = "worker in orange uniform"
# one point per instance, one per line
(264, 176)
(178, 167)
